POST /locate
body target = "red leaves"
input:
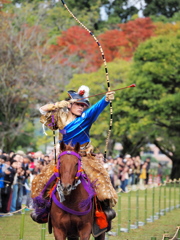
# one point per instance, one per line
(77, 48)
(136, 32)
(122, 42)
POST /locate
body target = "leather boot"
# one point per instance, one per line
(110, 213)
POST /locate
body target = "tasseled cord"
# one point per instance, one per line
(100, 216)
(44, 131)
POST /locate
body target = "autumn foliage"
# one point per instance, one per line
(2, 2)
(167, 28)
(77, 48)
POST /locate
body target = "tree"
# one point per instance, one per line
(54, 15)
(80, 51)
(123, 41)
(160, 7)
(27, 77)
(120, 9)
(166, 28)
(151, 112)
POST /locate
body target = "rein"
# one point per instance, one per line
(79, 175)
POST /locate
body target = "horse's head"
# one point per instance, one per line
(68, 166)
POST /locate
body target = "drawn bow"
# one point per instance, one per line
(106, 73)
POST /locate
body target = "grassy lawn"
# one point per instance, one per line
(10, 226)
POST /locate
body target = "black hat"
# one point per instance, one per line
(81, 95)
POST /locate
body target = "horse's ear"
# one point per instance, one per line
(62, 146)
(77, 147)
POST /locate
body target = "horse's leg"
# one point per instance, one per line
(76, 238)
(85, 233)
(100, 237)
(59, 234)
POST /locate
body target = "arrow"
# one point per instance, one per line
(132, 85)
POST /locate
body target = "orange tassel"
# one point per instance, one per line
(100, 216)
(101, 219)
(55, 169)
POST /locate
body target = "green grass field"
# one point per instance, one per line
(10, 226)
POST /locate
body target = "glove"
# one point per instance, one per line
(72, 100)
(62, 104)
(109, 96)
(49, 107)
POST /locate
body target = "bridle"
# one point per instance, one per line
(70, 153)
(81, 176)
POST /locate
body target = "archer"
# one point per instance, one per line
(74, 118)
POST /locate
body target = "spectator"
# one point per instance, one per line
(116, 174)
(8, 181)
(2, 174)
(46, 159)
(130, 164)
(160, 173)
(137, 169)
(143, 175)
(26, 201)
(148, 161)
(17, 193)
(124, 178)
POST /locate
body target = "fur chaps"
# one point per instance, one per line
(95, 172)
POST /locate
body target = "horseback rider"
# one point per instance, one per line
(74, 117)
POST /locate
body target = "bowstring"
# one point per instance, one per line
(106, 72)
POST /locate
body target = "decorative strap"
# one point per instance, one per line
(70, 153)
(90, 192)
(69, 210)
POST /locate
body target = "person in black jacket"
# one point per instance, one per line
(8, 181)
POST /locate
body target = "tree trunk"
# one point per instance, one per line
(175, 172)
(175, 158)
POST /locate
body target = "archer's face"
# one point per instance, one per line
(77, 108)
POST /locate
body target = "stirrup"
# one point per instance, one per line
(110, 213)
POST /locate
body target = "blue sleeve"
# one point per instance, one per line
(94, 111)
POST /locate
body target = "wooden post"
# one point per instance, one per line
(165, 198)
(160, 201)
(170, 195)
(119, 213)
(43, 231)
(21, 235)
(137, 208)
(145, 206)
(153, 199)
(129, 210)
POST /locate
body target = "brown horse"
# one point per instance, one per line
(71, 212)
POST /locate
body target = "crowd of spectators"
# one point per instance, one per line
(124, 171)
(18, 169)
